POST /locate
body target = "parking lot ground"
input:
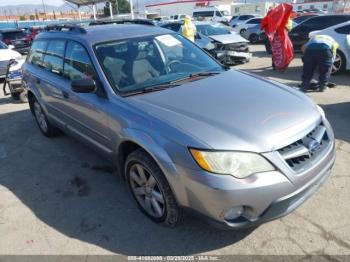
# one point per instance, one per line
(59, 197)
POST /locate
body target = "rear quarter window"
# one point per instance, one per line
(344, 30)
(37, 51)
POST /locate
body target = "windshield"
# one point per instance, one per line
(136, 64)
(213, 29)
(3, 46)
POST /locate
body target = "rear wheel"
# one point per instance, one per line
(339, 63)
(44, 125)
(253, 38)
(151, 190)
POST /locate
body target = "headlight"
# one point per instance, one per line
(321, 111)
(237, 164)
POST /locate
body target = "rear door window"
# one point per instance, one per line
(36, 53)
(254, 21)
(245, 17)
(53, 59)
(77, 63)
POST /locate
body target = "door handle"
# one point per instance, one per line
(65, 94)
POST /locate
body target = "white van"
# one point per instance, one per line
(209, 13)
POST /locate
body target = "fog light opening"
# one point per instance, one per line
(234, 213)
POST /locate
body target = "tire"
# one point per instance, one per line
(15, 96)
(23, 97)
(151, 190)
(254, 38)
(242, 31)
(45, 126)
(339, 64)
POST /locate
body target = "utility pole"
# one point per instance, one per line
(44, 8)
(131, 9)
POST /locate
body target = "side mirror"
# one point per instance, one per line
(84, 86)
(11, 46)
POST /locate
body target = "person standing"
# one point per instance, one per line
(319, 51)
(188, 29)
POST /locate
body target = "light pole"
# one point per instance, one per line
(131, 9)
(42, 1)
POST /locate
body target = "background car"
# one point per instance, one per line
(299, 35)
(6, 54)
(17, 38)
(231, 48)
(253, 34)
(209, 13)
(240, 19)
(303, 18)
(340, 33)
(201, 40)
(242, 27)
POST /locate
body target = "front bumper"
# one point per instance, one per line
(233, 57)
(264, 196)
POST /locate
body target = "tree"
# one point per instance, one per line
(22, 18)
(118, 6)
(32, 17)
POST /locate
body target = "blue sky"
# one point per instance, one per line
(21, 2)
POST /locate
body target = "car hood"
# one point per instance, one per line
(7, 54)
(228, 38)
(233, 111)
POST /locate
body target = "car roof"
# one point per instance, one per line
(103, 33)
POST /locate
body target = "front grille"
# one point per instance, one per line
(301, 154)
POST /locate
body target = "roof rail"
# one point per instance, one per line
(123, 21)
(65, 28)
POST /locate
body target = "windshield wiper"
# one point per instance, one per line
(210, 73)
(152, 88)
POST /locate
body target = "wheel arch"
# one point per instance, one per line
(138, 139)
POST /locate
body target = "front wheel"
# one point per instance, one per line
(151, 190)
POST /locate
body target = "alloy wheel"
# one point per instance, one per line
(337, 64)
(147, 191)
(40, 117)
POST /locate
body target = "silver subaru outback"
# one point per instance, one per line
(185, 132)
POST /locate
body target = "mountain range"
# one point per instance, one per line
(31, 8)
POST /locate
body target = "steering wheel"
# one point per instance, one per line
(183, 64)
(171, 63)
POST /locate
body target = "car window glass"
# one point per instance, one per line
(36, 53)
(217, 13)
(77, 63)
(53, 59)
(3, 46)
(203, 14)
(344, 30)
(255, 21)
(245, 17)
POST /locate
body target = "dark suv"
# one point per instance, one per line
(16, 37)
(300, 34)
